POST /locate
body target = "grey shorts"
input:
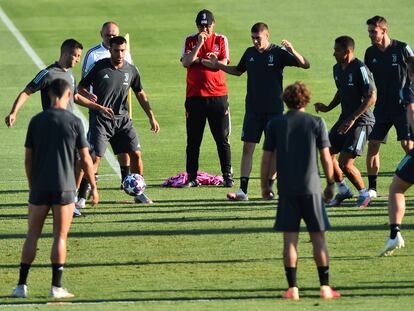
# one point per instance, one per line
(310, 208)
(254, 124)
(352, 142)
(44, 197)
(383, 125)
(120, 133)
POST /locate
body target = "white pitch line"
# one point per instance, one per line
(109, 156)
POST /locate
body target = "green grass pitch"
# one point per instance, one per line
(194, 250)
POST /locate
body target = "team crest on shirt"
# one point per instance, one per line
(270, 63)
(251, 59)
(374, 61)
(126, 78)
(350, 80)
(216, 47)
(394, 59)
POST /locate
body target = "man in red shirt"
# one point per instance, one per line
(206, 96)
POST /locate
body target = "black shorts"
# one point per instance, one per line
(384, 123)
(352, 142)
(310, 208)
(254, 125)
(405, 170)
(119, 132)
(44, 197)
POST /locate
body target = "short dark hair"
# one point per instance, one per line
(69, 45)
(410, 64)
(345, 42)
(259, 27)
(58, 87)
(296, 95)
(108, 23)
(119, 40)
(377, 21)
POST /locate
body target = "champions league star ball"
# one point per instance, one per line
(134, 184)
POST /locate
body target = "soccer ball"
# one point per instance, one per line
(134, 184)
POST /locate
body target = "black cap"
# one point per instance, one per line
(204, 17)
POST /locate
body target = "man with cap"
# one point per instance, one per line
(206, 96)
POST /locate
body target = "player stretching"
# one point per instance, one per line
(403, 179)
(52, 137)
(293, 140)
(356, 93)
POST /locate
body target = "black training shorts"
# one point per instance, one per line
(309, 207)
(254, 124)
(119, 132)
(383, 124)
(44, 197)
(405, 169)
(352, 142)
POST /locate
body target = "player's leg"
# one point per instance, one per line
(403, 179)
(36, 218)
(125, 166)
(195, 122)
(218, 115)
(62, 219)
(343, 190)
(377, 137)
(290, 259)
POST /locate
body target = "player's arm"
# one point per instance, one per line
(320, 107)
(143, 101)
(215, 63)
(368, 101)
(85, 102)
(267, 158)
(302, 61)
(326, 161)
(87, 165)
(190, 57)
(28, 160)
(18, 103)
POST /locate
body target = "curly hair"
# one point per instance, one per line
(296, 95)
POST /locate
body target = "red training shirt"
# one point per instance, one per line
(203, 81)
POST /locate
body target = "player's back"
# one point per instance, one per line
(298, 135)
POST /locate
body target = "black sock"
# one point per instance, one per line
(290, 273)
(323, 275)
(57, 271)
(244, 183)
(125, 171)
(24, 271)
(395, 228)
(83, 188)
(372, 182)
(271, 183)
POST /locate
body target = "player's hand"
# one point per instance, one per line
(94, 196)
(319, 107)
(345, 126)
(213, 58)
(202, 37)
(329, 192)
(155, 127)
(285, 43)
(108, 111)
(92, 97)
(10, 119)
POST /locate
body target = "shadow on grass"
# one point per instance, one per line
(200, 232)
